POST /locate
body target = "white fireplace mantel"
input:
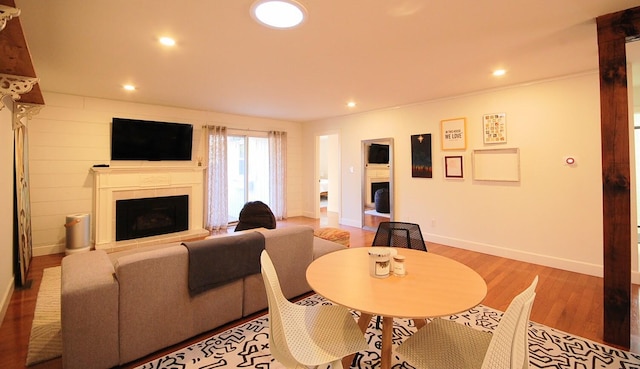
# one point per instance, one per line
(120, 183)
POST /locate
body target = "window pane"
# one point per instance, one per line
(248, 172)
(258, 175)
(236, 170)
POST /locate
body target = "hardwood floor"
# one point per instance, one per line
(567, 301)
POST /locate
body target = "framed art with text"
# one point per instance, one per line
(453, 134)
(494, 127)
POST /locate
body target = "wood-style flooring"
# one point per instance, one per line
(567, 301)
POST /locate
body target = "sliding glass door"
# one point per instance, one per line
(248, 172)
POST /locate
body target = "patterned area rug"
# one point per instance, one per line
(45, 341)
(247, 346)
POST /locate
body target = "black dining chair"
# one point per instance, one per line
(398, 234)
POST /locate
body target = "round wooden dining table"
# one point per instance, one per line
(433, 286)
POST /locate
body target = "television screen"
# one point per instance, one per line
(378, 154)
(133, 139)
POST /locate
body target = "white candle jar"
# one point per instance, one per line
(379, 263)
(398, 266)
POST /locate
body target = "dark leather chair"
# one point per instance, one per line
(255, 214)
(381, 200)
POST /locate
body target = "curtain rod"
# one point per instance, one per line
(244, 129)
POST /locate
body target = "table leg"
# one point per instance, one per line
(387, 345)
(419, 323)
(363, 323)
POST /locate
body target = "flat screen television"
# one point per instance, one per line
(378, 154)
(133, 139)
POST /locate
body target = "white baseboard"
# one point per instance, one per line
(6, 298)
(308, 214)
(351, 222)
(48, 250)
(549, 261)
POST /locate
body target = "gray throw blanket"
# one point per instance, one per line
(217, 261)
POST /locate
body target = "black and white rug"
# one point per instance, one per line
(247, 346)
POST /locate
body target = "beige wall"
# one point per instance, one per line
(6, 199)
(553, 216)
(72, 133)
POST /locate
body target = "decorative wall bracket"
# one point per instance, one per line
(15, 86)
(6, 13)
(23, 111)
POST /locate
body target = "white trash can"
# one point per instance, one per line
(78, 231)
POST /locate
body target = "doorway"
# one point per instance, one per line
(328, 179)
(377, 182)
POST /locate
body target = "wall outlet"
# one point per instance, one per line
(433, 222)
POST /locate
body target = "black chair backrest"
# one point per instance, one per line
(399, 234)
(255, 214)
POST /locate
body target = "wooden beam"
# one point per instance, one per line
(15, 58)
(614, 30)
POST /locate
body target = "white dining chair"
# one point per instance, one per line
(446, 344)
(302, 336)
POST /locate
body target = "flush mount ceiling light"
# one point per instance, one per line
(278, 13)
(167, 41)
(499, 72)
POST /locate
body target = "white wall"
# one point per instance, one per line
(323, 157)
(72, 133)
(6, 198)
(333, 170)
(553, 216)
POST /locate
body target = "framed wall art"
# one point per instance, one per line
(421, 160)
(494, 127)
(453, 166)
(502, 165)
(453, 134)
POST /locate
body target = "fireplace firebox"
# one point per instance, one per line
(144, 217)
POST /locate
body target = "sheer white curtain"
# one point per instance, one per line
(217, 214)
(278, 173)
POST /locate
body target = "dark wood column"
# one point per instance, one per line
(614, 30)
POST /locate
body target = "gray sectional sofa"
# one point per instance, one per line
(122, 306)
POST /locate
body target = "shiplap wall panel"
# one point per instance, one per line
(72, 133)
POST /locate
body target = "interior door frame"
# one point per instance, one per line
(363, 189)
(316, 175)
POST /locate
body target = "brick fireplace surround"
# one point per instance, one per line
(122, 183)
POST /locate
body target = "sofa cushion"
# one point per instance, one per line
(89, 311)
(156, 309)
(322, 247)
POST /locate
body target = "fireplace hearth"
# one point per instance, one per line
(144, 217)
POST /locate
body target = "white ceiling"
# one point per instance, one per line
(380, 53)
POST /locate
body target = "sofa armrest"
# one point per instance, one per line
(89, 311)
(291, 250)
(323, 247)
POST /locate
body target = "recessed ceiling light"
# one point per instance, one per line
(167, 41)
(499, 72)
(129, 87)
(351, 104)
(278, 13)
